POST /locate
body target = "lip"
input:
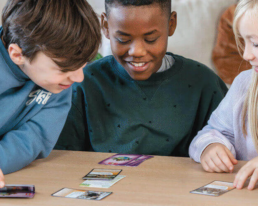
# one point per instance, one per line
(140, 68)
(62, 86)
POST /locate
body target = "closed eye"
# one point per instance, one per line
(122, 41)
(151, 41)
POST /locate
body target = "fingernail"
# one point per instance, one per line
(1, 184)
(231, 168)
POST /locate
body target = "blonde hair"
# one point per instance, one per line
(250, 107)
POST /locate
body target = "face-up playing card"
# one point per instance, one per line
(101, 183)
(81, 194)
(139, 160)
(215, 188)
(101, 174)
(125, 159)
(19, 191)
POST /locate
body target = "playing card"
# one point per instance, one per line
(81, 194)
(19, 191)
(125, 159)
(101, 183)
(120, 159)
(139, 160)
(101, 174)
(215, 188)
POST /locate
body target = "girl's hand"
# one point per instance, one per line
(1, 179)
(217, 158)
(249, 169)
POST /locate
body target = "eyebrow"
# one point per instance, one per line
(251, 36)
(125, 34)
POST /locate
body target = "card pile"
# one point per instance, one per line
(131, 160)
(81, 194)
(215, 188)
(102, 178)
(19, 191)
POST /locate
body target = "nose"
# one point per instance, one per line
(77, 75)
(248, 53)
(137, 49)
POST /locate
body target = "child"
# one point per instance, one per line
(232, 130)
(141, 100)
(44, 46)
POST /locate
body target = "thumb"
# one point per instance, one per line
(1, 179)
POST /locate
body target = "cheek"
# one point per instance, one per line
(54, 79)
(118, 49)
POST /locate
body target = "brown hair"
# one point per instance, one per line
(67, 31)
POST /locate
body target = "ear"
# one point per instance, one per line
(172, 23)
(15, 53)
(104, 25)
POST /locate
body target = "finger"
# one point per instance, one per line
(242, 176)
(231, 157)
(253, 180)
(206, 167)
(2, 184)
(219, 163)
(212, 166)
(223, 155)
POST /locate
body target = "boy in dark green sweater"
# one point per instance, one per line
(141, 100)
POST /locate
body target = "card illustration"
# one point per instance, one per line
(18, 191)
(81, 194)
(102, 174)
(125, 159)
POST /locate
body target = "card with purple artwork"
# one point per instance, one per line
(120, 159)
(139, 160)
(18, 191)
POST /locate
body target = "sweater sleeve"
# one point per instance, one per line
(220, 125)
(37, 137)
(75, 132)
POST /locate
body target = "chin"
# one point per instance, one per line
(54, 91)
(140, 78)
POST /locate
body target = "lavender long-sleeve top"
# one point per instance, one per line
(224, 125)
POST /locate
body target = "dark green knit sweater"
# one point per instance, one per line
(111, 112)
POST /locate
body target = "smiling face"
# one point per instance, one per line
(248, 29)
(138, 37)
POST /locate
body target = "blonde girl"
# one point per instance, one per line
(232, 131)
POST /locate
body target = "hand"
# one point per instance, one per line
(249, 169)
(217, 158)
(1, 179)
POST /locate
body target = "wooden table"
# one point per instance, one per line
(157, 181)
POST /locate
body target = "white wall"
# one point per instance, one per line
(97, 4)
(2, 3)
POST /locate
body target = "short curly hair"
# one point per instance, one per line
(164, 4)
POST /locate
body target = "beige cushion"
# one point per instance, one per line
(196, 31)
